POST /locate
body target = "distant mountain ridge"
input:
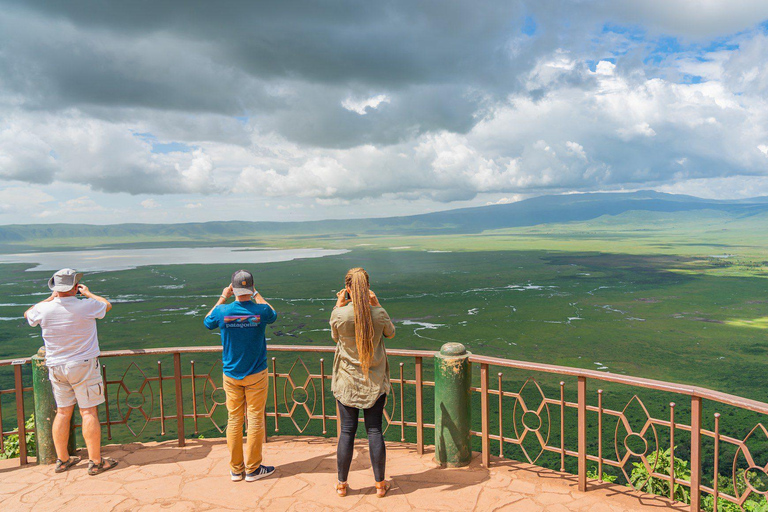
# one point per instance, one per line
(529, 212)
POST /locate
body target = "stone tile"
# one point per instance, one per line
(520, 486)
(524, 505)
(81, 503)
(12, 487)
(161, 476)
(166, 487)
(491, 499)
(93, 486)
(551, 498)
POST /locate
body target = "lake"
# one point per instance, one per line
(123, 259)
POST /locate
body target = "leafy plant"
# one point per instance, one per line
(755, 503)
(592, 474)
(641, 479)
(11, 449)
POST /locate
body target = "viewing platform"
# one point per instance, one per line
(162, 476)
(542, 437)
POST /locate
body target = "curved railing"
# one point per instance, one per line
(543, 411)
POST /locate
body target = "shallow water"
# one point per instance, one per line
(123, 259)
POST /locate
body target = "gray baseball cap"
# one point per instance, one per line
(64, 280)
(242, 283)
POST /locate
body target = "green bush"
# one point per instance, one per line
(11, 448)
(592, 474)
(641, 479)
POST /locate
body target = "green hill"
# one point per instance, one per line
(602, 208)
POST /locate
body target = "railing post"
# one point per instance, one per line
(453, 406)
(20, 418)
(485, 448)
(582, 432)
(179, 398)
(45, 409)
(419, 407)
(695, 453)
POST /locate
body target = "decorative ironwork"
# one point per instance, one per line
(135, 400)
(300, 396)
(628, 452)
(743, 453)
(212, 391)
(635, 432)
(531, 419)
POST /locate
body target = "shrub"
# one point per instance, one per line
(11, 448)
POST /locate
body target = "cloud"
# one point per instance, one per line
(82, 204)
(150, 204)
(408, 101)
(507, 200)
(362, 106)
(27, 200)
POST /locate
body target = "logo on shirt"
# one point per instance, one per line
(241, 321)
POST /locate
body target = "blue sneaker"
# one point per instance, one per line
(262, 472)
(235, 477)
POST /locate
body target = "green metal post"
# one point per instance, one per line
(453, 406)
(45, 411)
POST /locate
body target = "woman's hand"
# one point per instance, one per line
(341, 298)
(373, 298)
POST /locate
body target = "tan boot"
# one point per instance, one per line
(341, 489)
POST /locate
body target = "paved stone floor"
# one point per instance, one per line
(161, 476)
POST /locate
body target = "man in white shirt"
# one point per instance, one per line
(71, 354)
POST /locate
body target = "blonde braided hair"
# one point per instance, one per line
(358, 282)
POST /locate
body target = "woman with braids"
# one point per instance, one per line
(360, 373)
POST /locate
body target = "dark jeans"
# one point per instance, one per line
(345, 448)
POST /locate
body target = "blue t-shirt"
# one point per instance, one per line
(242, 327)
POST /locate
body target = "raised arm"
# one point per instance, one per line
(49, 299)
(258, 299)
(85, 292)
(225, 294)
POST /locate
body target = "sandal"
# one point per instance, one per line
(341, 489)
(106, 464)
(63, 465)
(382, 488)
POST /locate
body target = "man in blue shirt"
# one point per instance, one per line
(244, 358)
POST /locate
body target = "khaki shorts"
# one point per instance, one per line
(78, 383)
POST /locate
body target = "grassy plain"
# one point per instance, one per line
(678, 297)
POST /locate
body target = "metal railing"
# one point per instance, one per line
(536, 411)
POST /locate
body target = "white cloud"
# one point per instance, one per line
(732, 187)
(82, 204)
(361, 106)
(150, 204)
(24, 200)
(507, 200)
(443, 119)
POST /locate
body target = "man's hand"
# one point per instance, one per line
(85, 292)
(374, 300)
(225, 294)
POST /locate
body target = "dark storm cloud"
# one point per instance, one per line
(381, 43)
(345, 99)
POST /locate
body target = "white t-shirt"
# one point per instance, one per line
(69, 328)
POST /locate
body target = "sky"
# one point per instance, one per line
(173, 111)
